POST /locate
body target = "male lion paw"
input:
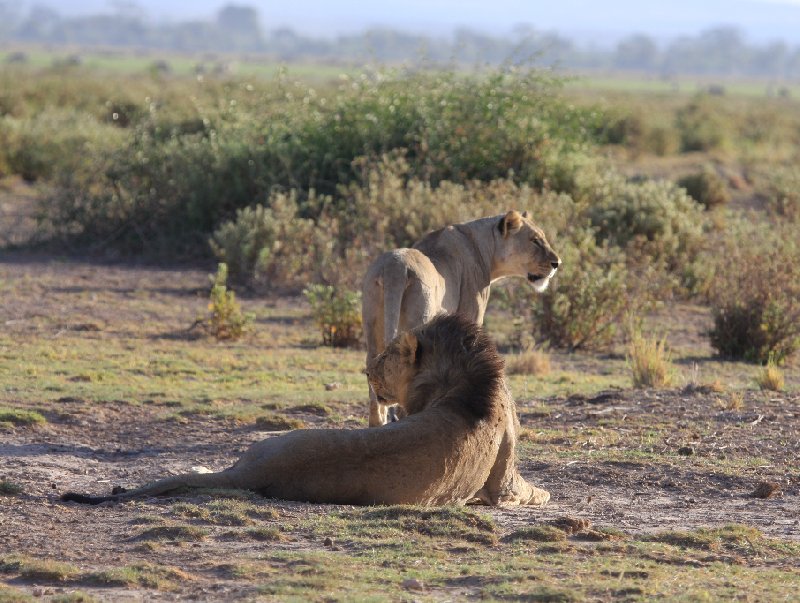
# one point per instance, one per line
(538, 497)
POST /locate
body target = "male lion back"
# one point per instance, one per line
(402, 289)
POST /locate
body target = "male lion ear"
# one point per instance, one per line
(509, 223)
(525, 214)
(408, 345)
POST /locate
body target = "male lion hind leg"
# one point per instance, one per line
(176, 483)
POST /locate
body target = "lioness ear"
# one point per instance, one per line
(525, 214)
(509, 223)
(408, 346)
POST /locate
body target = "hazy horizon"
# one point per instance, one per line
(760, 20)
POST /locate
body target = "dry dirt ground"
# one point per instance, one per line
(638, 461)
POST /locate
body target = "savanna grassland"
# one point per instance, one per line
(656, 380)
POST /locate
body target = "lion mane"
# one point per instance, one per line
(457, 444)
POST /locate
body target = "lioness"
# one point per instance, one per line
(456, 445)
(449, 270)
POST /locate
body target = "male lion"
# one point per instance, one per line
(456, 445)
(449, 270)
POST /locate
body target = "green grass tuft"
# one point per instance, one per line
(17, 416)
(179, 533)
(143, 574)
(8, 488)
(538, 534)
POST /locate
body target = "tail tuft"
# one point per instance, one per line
(85, 499)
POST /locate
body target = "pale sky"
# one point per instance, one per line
(761, 20)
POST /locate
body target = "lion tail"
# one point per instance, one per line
(162, 487)
(395, 281)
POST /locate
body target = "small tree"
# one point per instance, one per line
(337, 312)
(225, 319)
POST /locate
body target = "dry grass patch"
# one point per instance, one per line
(177, 533)
(530, 362)
(265, 534)
(650, 362)
(770, 377)
(276, 422)
(12, 595)
(544, 533)
(735, 539)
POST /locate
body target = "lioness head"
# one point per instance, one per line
(390, 373)
(523, 250)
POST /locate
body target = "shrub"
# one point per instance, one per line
(587, 300)
(655, 221)
(701, 125)
(389, 207)
(272, 246)
(268, 247)
(649, 361)
(755, 293)
(783, 192)
(706, 187)
(52, 142)
(660, 139)
(225, 319)
(337, 312)
(176, 175)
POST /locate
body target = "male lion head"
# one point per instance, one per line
(448, 359)
(522, 248)
(390, 373)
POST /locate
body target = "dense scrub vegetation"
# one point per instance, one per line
(292, 185)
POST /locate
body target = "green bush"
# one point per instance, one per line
(587, 300)
(271, 246)
(706, 187)
(55, 141)
(702, 125)
(268, 247)
(755, 294)
(783, 192)
(651, 219)
(337, 312)
(174, 178)
(225, 319)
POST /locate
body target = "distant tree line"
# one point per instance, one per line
(721, 51)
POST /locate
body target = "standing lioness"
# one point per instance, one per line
(450, 270)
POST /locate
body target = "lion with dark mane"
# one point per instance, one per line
(457, 444)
